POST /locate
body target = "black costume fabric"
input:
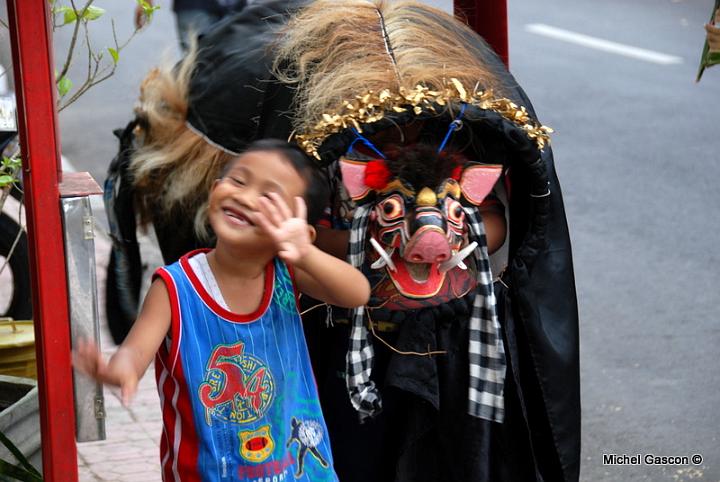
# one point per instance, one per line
(234, 98)
(424, 432)
(223, 7)
(124, 273)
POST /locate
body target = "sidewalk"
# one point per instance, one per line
(131, 451)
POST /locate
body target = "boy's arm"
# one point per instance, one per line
(149, 330)
(330, 279)
(131, 360)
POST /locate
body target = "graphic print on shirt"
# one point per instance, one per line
(285, 295)
(238, 386)
(256, 445)
(308, 434)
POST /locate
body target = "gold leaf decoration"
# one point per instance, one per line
(371, 107)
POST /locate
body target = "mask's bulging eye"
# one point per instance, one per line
(455, 212)
(391, 208)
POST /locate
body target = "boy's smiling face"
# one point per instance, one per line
(234, 199)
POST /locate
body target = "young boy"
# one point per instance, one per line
(238, 395)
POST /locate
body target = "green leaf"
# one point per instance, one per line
(11, 163)
(713, 58)
(92, 13)
(69, 15)
(148, 9)
(114, 54)
(28, 472)
(64, 85)
(6, 180)
(18, 473)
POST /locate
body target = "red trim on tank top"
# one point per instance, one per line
(175, 325)
(185, 459)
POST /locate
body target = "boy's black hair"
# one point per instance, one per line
(317, 191)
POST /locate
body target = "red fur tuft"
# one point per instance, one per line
(456, 172)
(377, 175)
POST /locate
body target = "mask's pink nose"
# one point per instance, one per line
(427, 247)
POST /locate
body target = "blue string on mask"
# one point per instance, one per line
(367, 142)
(455, 125)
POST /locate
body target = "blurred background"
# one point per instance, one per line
(637, 145)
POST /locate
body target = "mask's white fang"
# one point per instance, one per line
(384, 257)
(457, 259)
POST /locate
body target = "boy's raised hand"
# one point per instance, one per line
(289, 231)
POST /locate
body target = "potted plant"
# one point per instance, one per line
(20, 452)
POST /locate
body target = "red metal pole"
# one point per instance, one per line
(31, 39)
(489, 19)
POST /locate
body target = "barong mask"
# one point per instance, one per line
(417, 228)
(419, 220)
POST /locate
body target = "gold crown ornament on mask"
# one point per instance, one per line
(372, 106)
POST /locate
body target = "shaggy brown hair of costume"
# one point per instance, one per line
(334, 50)
(420, 165)
(175, 167)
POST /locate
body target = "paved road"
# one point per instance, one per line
(637, 147)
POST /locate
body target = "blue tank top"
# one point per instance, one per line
(237, 391)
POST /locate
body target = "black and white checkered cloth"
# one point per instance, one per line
(486, 352)
(364, 395)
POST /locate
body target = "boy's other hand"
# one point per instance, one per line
(88, 359)
(288, 230)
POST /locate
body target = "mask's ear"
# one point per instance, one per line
(477, 181)
(353, 176)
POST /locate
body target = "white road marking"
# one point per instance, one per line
(603, 45)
